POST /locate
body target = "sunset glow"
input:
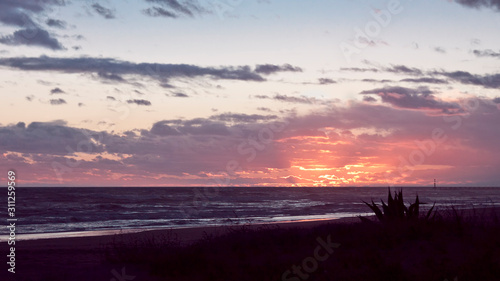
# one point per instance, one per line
(265, 93)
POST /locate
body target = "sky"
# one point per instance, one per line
(250, 93)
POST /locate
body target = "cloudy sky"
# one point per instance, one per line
(250, 92)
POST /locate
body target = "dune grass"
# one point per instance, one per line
(450, 246)
(395, 210)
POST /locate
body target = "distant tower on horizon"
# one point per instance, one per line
(434, 183)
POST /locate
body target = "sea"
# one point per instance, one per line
(44, 212)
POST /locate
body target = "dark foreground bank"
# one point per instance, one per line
(463, 245)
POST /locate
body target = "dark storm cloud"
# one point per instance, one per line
(272, 68)
(464, 77)
(242, 118)
(486, 53)
(57, 91)
(301, 99)
(26, 14)
(402, 69)
(205, 128)
(110, 76)
(198, 126)
(32, 37)
(193, 146)
(15, 18)
(177, 9)
(56, 23)
(112, 68)
(140, 102)
(420, 98)
(492, 4)
(19, 13)
(369, 99)
(159, 12)
(163, 128)
(359, 69)
(398, 69)
(104, 12)
(174, 9)
(377, 80)
(180, 95)
(400, 90)
(43, 137)
(166, 86)
(57, 101)
(291, 99)
(326, 81)
(175, 6)
(428, 80)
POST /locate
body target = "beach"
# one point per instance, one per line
(83, 258)
(83, 255)
(70, 211)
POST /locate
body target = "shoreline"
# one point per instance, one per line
(188, 234)
(84, 256)
(107, 232)
(185, 234)
(130, 231)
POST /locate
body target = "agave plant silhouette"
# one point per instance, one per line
(396, 210)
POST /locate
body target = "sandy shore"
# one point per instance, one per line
(64, 257)
(70, 255)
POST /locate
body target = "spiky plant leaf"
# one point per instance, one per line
(417, 207)
(430, 212)
(385, 209)
(376, 210)
(396, 210)
(390, 201)
(401, 208)
(413, 211)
